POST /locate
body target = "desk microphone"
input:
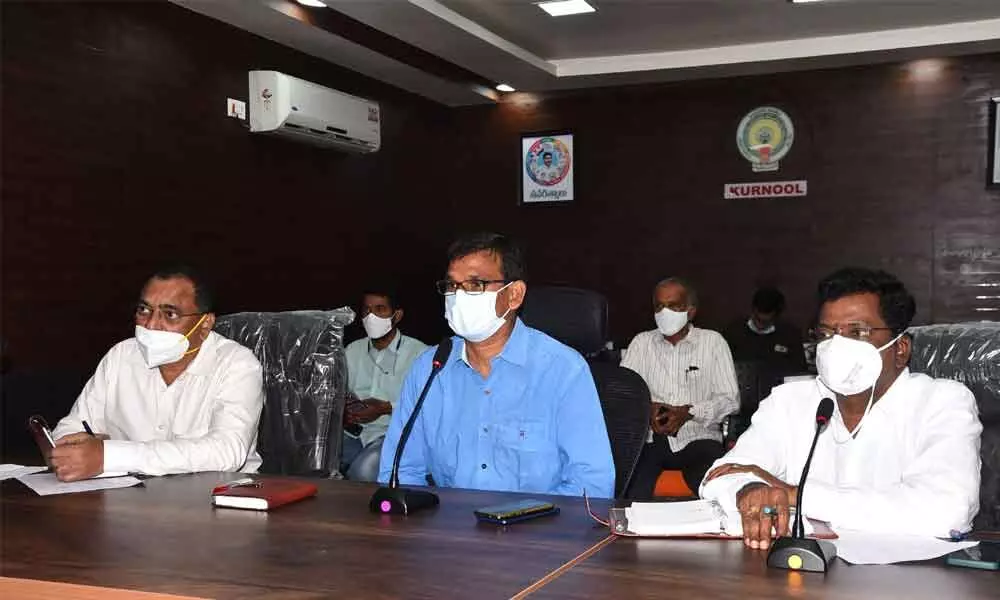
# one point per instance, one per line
(798, 552)
(392, 499)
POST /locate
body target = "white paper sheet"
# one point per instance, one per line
(9, 471)
(46, 484)
(692, 517)
(675, 518)
(862, 548)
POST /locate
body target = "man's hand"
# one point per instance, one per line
(730, 468)
(658, 417)
(762, 507)
(76, 457)
(77, 438)
(367, 411)
(677, 416)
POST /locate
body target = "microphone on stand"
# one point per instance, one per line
(392, 499)
(798, 552)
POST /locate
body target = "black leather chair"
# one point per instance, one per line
(579, 319)
(575, 317)
(305, 383)
(755, 383)
(970, 353)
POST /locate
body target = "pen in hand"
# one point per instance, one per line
(87, 428)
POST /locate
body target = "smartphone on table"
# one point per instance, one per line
(984, 556)
(513, 512)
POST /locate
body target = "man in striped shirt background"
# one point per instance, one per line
(692, 383)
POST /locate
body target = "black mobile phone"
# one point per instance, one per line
(984, 556)
(513, 512)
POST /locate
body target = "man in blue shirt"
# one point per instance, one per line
(512, 409)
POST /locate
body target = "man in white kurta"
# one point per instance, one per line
(901, 452)
(914, 468)
(176, 398)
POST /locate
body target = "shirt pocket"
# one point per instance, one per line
(524, 448)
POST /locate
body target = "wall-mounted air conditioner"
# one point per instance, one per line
(290, 107)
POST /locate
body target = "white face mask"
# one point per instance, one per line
(376, 327)
(163, 347)
(669, 321)
(474, 316)
(753, 327)
(847, 366)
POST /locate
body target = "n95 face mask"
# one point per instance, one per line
(163, 347)
(849, 366)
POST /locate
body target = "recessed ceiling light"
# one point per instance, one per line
(803, 1)
(312, 3)
(504, 87)
(561, 8)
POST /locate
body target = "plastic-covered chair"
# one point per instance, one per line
(305, 384)
(970, 353)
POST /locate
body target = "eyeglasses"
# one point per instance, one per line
(446, 287)
(854, 331)
(170, 315)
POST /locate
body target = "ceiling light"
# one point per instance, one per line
(504, 87)
(312, 3)
(803, 1)
(927, 69)
(561, 8)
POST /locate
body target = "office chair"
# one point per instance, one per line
(305, 385)
(970, 353)
(579, 319)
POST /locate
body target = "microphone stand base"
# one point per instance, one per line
(401, 501)
(801, 554)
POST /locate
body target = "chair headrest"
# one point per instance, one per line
(966, 352)
(575, 317)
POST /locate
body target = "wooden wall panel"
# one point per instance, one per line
(117, 156)
(895, 159)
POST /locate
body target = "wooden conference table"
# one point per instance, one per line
(165, 537)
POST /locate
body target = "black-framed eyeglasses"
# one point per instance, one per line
(446, 287)
(169, 314)
(854, 331)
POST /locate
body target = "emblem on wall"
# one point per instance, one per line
(764, 137)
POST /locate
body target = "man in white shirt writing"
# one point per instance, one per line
(175, 398)
(692, 383)
(901, 453)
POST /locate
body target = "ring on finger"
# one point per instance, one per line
(769, 511)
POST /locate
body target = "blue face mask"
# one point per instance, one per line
(753, 327)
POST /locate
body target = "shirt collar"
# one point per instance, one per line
(904, 375)
(514, 351)
(204, 362)
(392, 348)
(693, 332)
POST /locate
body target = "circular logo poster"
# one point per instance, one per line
(764, 137)
(547, 161)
